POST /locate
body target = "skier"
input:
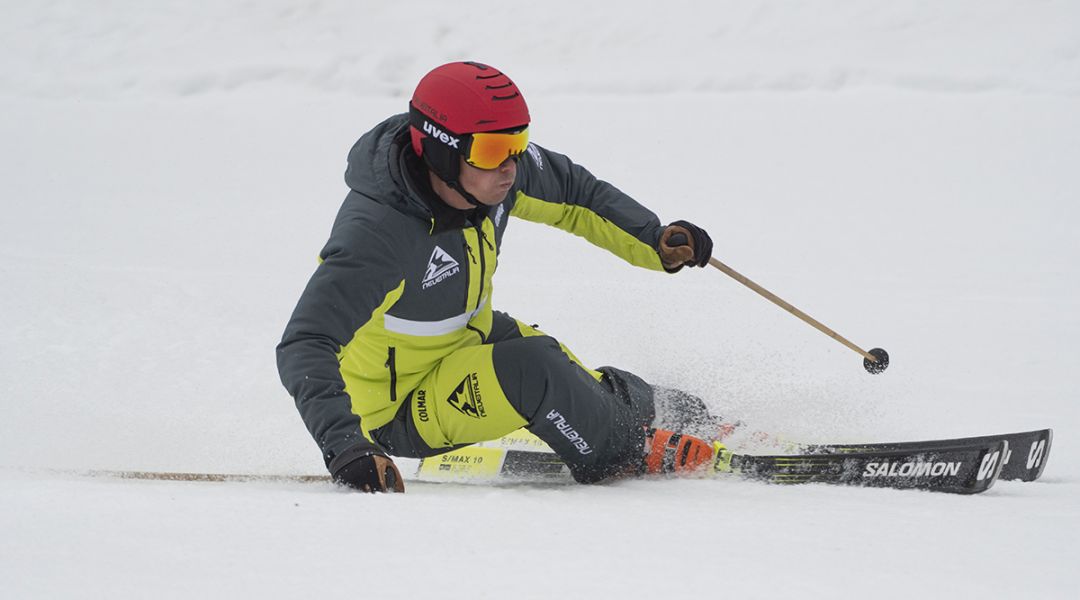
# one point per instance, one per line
(394, 348)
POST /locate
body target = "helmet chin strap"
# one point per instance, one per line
(457, 187)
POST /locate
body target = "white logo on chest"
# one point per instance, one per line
(534, 152)
(440, 267)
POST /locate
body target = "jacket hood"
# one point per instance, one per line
(377, 169)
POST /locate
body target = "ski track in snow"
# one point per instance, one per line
(905, 173)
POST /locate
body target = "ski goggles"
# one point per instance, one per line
(485, 150)
(489, 150)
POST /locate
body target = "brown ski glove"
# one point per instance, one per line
(684, 244)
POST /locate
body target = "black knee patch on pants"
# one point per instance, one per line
(596, 427)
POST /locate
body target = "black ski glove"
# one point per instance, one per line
(684, 244)
(366, 468)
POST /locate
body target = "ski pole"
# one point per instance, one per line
(875, 361)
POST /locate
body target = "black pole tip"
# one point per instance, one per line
(882, 361)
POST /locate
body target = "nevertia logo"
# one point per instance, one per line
(466, 397)
(534, 152)
(440, 267)
(569, 432)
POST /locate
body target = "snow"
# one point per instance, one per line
(904, 172)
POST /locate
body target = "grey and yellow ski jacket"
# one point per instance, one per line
(405, 280)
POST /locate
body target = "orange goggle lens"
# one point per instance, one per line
(489, 150)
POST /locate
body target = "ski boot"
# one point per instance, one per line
(670, 452)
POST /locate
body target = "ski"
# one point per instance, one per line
(1024, 461)
(478, 463)
(961, 465)
(201, 477)
(967, 469)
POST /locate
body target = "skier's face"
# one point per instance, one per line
(489, 186)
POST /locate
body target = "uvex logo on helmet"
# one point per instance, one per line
(440, 135)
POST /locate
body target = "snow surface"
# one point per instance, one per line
(906, 172)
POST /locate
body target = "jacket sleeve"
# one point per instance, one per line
(355, 274)
(557, 192)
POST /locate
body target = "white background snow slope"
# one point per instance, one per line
(907, 172)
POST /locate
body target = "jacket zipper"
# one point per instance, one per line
(480, 293)
(472, 257)
(391, 363)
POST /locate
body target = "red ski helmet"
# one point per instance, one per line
(470, 110)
